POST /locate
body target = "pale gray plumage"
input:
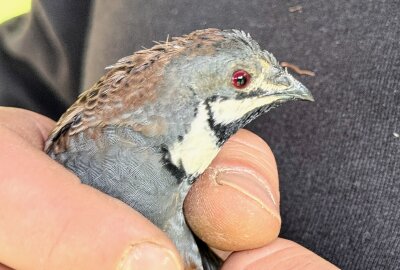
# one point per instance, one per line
(156, 120)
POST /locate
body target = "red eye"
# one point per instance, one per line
(240, 79)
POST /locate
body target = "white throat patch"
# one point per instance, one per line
(228, 111)
(198, 147)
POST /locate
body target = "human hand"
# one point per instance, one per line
(234, 205)
(49, 220)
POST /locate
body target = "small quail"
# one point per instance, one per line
(154, 122)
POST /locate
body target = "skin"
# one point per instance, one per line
(51, 221)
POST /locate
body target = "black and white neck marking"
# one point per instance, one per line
(198, 147)
(215, 121)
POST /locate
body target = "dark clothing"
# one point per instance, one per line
(339, 158)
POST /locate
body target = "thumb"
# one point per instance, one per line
(234, 205)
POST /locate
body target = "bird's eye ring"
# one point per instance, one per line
(240, 79)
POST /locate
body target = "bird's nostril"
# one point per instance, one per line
(283, 80)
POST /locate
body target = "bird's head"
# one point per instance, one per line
(231, 81)
(233, 77)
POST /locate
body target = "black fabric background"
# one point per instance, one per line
(338, 158)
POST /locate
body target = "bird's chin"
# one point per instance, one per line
(258, 112)
(246, 119)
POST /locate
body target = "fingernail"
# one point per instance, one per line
(149, 256)
(252, 186)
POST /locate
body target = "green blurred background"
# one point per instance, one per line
(12, 8)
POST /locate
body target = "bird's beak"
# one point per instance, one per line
(288, 88)
(297, 90)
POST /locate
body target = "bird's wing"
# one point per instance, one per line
(127, 86)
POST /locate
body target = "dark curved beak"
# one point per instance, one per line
(299, 91)
(288, 88)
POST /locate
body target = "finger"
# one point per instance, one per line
(3, 267)
(32, 127)
(279, 255)
(51, 221)
(234, 205)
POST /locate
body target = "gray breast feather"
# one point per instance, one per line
(123, 164)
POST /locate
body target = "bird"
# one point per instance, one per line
(154, 122)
